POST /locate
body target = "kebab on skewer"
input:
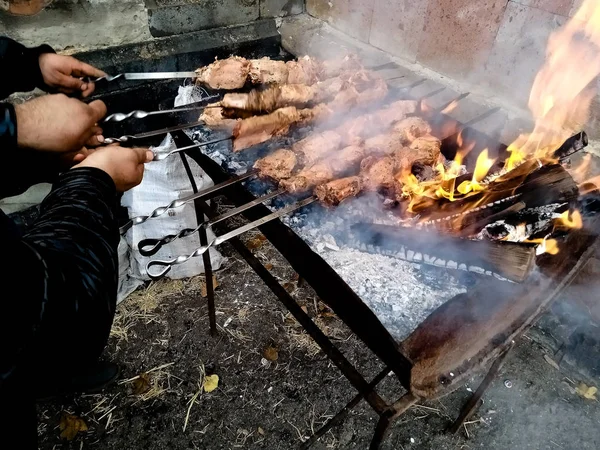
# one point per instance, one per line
(281, 164)
(235, 72)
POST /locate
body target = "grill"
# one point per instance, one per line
(463, 336)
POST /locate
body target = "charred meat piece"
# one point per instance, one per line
(315, 147)
(307, 179)
(215, 117)
(424, 150)
(304, 71)
(412, 128)
(258, 129)
(230, 73)
(377, 173)
(336, 164)
(267, 71)
(393, 113)
(270, 99)
(277, 166)
(319, 113)
(335, 192)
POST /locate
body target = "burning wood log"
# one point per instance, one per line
(503, 260)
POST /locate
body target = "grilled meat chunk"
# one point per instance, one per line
(336, 191)
(384, 144)
(377, 173)
(215, 117)
(258, 129)
(424, 150)
(230, 73)
(315, 147)
(332, 68)
(267, 71)
(307, 179)
(412, 128)
(277, 166)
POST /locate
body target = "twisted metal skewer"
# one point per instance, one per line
(149, 247)
(138, 114)
(182, 201)
(162, 156)
(168, 264)
(120, 140)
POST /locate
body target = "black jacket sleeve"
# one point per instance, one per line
(20, 71)
(20, 67)
(62, 274)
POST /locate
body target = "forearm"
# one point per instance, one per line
(21, 168)
(20, 68)
(65, 267)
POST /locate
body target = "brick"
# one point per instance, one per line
(562, 7)
(397, 27)
(353, 17)
(518, 54)
(281, 8)
(458, 35)
(192, 16)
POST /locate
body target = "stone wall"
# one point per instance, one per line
(77, 25)
(493, 44)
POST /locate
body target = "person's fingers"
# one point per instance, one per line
(87, 89)
(68, 82)
(82, 69)
(79, 157)
(143, 155)
(150, 156)
(95, 140)
(99, 110)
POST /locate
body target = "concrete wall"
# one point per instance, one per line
(76, 25)
(495, 44)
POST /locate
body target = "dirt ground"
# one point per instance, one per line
(275, 387)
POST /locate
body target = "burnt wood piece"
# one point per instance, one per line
(509, 260)
(328, 285)
(386, 419)
(473, 329)
(529, 184)
(572, 145)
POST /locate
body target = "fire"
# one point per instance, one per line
(482, 167)
(570, 221)
(549, 246)
(451, 107)
(563, 89)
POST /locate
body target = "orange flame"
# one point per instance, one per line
(549, 246)
(573, 222)
(563, 90)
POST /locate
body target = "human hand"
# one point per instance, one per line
(58, 123)
(124, 165)
(64, 73)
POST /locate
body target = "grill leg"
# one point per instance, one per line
(210, 289)
(474, 402)
(387, 418)
(341, 416)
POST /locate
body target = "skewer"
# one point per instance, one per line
(149, 247)
(129, 137)
(182, 201)
(168, 264)
(138, 114)
(161, 156)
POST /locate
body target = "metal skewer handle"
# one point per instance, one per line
(182, 201)
(161, 156)
(167, 265)
(150, 247)
(138, 114)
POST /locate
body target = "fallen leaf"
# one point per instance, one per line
(305, 309)
(205, 289)
(261, 431)
(271, 353)
(70, 426)
(586, 391)
(551, 362)
(290, 287)
(141, 384)
(295, 277)
(255, 243)
(269, 266)
(211, 382)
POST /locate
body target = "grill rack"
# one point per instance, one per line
(348, 306)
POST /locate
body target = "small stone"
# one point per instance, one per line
(508, 384)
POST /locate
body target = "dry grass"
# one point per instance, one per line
(159, 383)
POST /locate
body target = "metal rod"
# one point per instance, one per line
(180, 202)
(149, 247)
(168, 264)
(163, 156)
(210, 292)
(341, 416)
(386, 419)
(139, 114)
(469, 407)
(129, 137)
